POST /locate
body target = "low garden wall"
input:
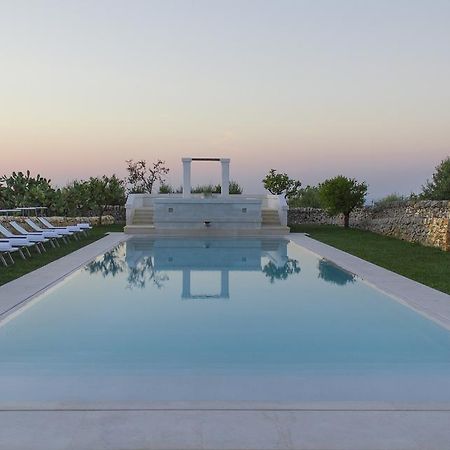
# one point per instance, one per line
(63, 221)
(426, 222)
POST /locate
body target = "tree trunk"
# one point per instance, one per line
(346, 220)
(100, 216)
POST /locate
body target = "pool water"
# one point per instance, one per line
(228, 320)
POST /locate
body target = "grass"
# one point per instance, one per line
(21, 267)
(426, 265)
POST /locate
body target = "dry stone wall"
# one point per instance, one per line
(425, 222)
(63, 221)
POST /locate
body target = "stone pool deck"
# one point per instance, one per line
(339, 426)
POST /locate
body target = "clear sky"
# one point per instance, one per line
(313, 88)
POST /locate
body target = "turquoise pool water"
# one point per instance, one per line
(219, 320)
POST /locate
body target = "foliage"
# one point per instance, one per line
(234, 188)
(307, 197)
(279, 183)
(274, 272)
(331, 273)
(138, 275)
(165, 188)
(342, 195)
(142, 177)
(21, 189)
(105, 191)
(439, 187)
(389, 200)
(75, 198)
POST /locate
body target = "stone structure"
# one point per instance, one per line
(425, 222)
(187, 213)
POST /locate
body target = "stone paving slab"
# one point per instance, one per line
(214, 430)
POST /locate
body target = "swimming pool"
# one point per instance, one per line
(224, 320)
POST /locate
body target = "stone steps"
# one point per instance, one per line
(265, 230)
(270, 217)
(143, 216)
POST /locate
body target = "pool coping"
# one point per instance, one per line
(309, 426)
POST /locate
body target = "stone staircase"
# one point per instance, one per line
(143, 216)
(270, 218)
(143, 223)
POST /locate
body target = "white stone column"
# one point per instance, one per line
(186, 177)
(225, 184)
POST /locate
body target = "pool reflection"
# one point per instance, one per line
(147, 261)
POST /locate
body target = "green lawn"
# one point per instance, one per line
(427, 265)
(21, 267)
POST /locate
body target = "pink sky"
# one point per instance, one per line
(314, 89)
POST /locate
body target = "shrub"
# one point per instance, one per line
(389, 200)
(22, 189)
(307, 197)
(210, 189)
(439, 187)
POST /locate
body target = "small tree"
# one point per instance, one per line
(279, 183)
(439, 187)
(341, 195)
(105, 191)
(142, 178)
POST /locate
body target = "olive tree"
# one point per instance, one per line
(281, 183)
(142, 177)
(105, 191)
(341, 195)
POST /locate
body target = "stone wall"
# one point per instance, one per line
(425, 222)
(63, 221)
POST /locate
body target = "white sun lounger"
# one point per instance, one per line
(6, 249)
(18, 241)
(37, 238)
(59, 233)
(52, 234)
(73, 228)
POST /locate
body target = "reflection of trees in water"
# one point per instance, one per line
(274, 272)
(144, 272)
(112, 264)
(331, 273)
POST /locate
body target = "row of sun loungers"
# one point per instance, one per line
(38, 233)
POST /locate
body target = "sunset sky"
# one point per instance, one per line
(312, 88)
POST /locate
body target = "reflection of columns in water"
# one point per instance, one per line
(186, 293)
(225, 284)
